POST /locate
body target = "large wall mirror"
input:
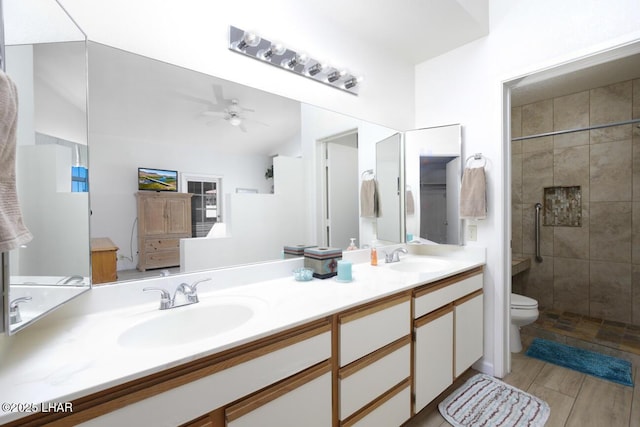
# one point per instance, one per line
(433, 177)
(49, 69)
(252, 161)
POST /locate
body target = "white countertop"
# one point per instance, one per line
(69, 357)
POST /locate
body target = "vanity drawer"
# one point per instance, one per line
(229, 377)
(365, 380)
(392, 409)
(441, 293)
(372, 326)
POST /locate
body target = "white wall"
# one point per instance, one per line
(318, 124)
(258, 226)
(194, 34)
(465, 86)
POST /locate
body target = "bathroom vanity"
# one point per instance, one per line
(371, 352)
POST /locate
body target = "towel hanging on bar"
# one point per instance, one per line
(369, 199)
(13, 232)
(473, 193)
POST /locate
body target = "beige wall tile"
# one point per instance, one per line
(571, 168)
(636, 99)
(537, 117)
(635, 299)
(571, 111)
(610, 231)
(538, 283)
(528, 232)
(571, 285)
(516, 178)
(543, 143)
(610, 134)
(611, 103)
(573, 242)
(537, 173)
(610, 171)
(516, 228)
(635, 184)
(610, 291)
(571, 139)
(635, 233)
(516, 122)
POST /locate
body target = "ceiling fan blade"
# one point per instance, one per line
(213, 113)
(218, 97)
(242, 127)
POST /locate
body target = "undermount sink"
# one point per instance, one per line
(417, 265)
(186, 324)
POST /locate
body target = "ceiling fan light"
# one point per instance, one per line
(235, 121)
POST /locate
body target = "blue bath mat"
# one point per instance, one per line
(585, 361)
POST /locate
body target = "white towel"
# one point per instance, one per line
(13, 232)
(410, 203)
(368, 199)
(473, 195)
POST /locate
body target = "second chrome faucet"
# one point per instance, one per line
(188, 294)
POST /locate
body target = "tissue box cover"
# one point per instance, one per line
(296, 251)
(323, 261)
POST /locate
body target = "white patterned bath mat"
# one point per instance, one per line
(486, 401)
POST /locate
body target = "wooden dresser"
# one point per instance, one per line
(163, 219)
(103, 260)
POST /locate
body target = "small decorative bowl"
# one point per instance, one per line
(303, 274)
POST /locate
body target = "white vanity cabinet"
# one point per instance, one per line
(448, 333)
(374, 371)
(229, 388)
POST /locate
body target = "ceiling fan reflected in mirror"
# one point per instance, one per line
(234, 115)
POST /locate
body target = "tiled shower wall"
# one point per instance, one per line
(593, 269)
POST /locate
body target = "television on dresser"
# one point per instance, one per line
(150, 179)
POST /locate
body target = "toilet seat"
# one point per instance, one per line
(520, 302)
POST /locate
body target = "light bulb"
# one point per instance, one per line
(336, 75)
(353, 82)
(299, 58)
(249, 39)
(275, 49)
(235, 121)
(316, 69)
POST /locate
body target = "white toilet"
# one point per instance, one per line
(524, 311)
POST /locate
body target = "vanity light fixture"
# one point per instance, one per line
(276, 54)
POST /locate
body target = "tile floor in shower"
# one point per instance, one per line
(605, 336)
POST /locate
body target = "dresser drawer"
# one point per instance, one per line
(152, 245)
(442, 293)
(373, 326)
(162, 259)
(379, 372)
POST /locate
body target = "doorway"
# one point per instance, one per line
(555, 87)
(339, 177)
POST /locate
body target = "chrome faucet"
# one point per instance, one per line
(14, 310)
(394, 255)
(189, 293)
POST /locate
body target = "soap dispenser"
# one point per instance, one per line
(352, 246)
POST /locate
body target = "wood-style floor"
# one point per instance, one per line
(575, 399)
